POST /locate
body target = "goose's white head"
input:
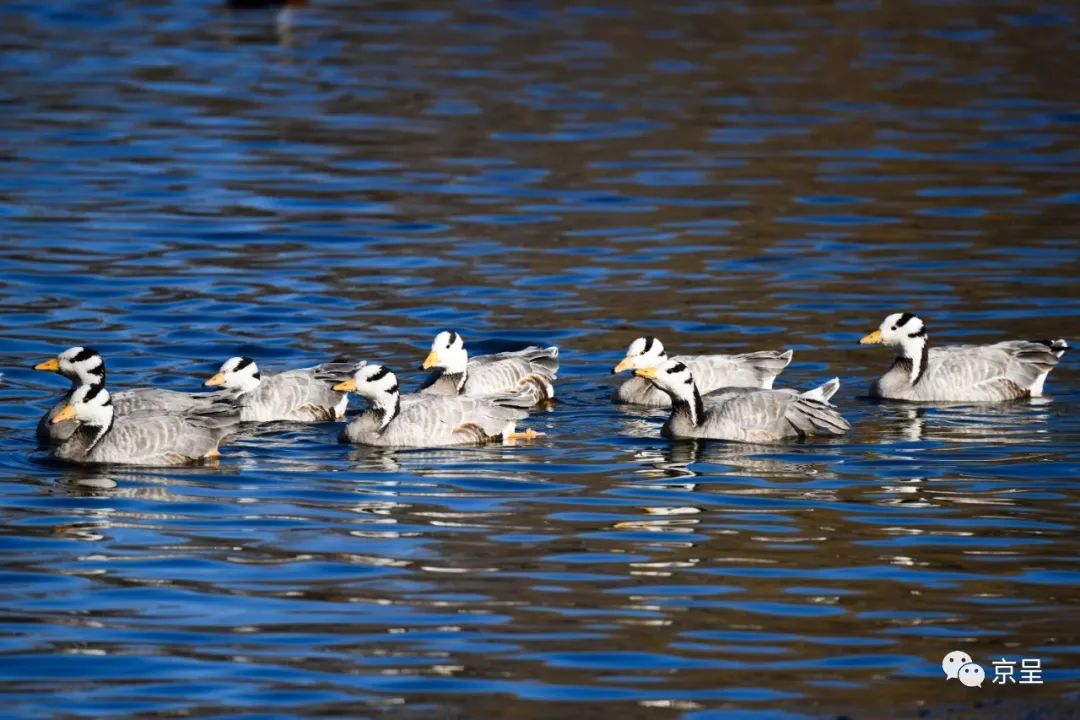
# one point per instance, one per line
(78, 364)
(645, 352)
(89, 405)
(378, 385)
(899, 330)
(675, 379)
(907, 333)
(239, 373)
(671, 376)
(447, 353)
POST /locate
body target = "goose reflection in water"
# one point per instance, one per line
(105, 483)
(1012, 423)
(132, 482)
(678, 459)
(488, 461)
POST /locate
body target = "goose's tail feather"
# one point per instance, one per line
(823, 393)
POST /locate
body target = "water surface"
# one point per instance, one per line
(180, 184)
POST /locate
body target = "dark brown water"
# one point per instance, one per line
(180, 184)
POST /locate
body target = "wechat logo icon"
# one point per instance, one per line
(958, 665)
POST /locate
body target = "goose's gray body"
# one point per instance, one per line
(711, 372)
(127, 402)
(526, 374)
(753, 415)
(294, 395)
(973, 373)
(434, 421)
(959, 373)
(148, 438)
(142, 437)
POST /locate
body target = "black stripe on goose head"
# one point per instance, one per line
(84, 355)
(383, 372)
(94, 391)
(244, 362)
(679, 367)
(649, 341)
(904, 319)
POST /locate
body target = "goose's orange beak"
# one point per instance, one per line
(646, 372)
(346, 386)
(873, 338)
(67, 413)
(52, 365)
(430, 361)
(218, 379)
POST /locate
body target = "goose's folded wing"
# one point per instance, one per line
(141, 436)
(126, 402)
(495, 374)
(757, 411)
(439, 417)
(998, 371)
(756, 369)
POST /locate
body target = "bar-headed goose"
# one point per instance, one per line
(144, 437)
(392, 420)
(959, 373)
(301, 395)
(750, 415)
(528, 373)
(84, 366)
(753, 370)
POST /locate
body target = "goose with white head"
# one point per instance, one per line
(302, 395)
(527, 374)
(1008, 370)
(750, 415)
(753, 370)
(394, 420)
(85, 366)
(145, 437)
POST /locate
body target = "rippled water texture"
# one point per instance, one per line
(180, 183)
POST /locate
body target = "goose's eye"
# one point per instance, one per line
(449, 344)
(893, 327)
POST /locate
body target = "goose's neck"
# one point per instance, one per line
(457, 369)
(457, 378)
(101, 433)
(690, 406)
(248, 386)
(386, 409)
(88, 436)
(913, 357)
(84, 376)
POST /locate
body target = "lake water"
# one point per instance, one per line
(180, 184)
